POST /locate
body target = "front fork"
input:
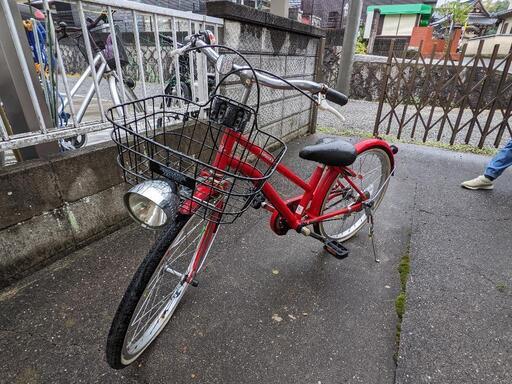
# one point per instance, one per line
(206, 194)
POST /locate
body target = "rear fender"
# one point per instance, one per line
(376, 143)
(332, 172)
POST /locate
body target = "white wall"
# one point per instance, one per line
(504, 41)
(368, 25)
(279, 7)
(507, 21)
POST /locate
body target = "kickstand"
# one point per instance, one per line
(371, 235)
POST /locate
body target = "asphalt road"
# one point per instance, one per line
(338, 318)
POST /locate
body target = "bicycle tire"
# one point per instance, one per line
(186, 91)
(116, 347)
(361, 221)
(78, 141)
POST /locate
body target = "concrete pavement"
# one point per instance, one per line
(457, 326)
(338, 318)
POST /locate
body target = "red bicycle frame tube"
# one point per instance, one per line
(309, 204)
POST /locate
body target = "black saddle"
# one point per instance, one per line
(330, 151)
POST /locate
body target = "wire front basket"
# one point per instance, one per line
(213, 152)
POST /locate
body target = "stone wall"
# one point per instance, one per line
(366, 78)
(367, 75)
(415, 83)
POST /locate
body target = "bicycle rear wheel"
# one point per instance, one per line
(157, 287)
(373, 167)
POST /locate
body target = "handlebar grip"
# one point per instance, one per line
(336, 97)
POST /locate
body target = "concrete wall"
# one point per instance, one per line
(505, 42)
(282, 113)
(49, 208)
(278, 45)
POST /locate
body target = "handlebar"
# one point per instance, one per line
(336, 97)
(245, 73)
(63, 28)
(170, 41)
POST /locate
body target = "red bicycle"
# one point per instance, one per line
(200, 166)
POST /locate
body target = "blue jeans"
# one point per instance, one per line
(500, 162)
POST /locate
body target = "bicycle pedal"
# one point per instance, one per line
(336, 249)
(194, 283)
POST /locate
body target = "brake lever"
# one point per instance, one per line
(325, 106)
(177, 52)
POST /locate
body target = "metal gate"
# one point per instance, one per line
(140, 28)
(468, 101)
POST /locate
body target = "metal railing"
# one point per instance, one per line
(143, 26)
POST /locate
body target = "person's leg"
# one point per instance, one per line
(500, 162)
(495, 168)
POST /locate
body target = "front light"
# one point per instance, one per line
(152, 203)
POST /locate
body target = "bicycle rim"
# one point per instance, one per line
(372, 167)
(167, 286)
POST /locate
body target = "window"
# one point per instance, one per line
(398, 25)
(504, 28)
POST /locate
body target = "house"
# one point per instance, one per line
(479, 20)
(395, 22)
(503, 36)
(505, 22)
(333, 12)
(369, 3)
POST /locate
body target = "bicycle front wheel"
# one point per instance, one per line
(372, 168)
(157, 287)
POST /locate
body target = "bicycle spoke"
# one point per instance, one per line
(166, 287)
(159, 305)
(154, 283)
(371, 172)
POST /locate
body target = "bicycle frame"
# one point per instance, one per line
(101, 71)
(300, 210)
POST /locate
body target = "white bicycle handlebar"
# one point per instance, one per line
(244, 72)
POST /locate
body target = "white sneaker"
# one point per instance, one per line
(481, 182)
